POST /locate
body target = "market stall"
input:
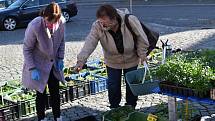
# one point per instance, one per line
(186, 77)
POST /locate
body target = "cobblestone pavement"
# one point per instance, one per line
(11, 60)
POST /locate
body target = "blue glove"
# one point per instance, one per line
(35, 75)
(60, 65)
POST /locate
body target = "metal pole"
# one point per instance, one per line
(172, 108)
(131, 6)
(164, 55)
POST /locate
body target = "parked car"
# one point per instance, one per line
(21, 12)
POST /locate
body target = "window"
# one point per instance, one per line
(16, 4)
(2, 4)
(31, 3)
(60, 1)
(45, 2)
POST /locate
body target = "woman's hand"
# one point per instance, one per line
(35, 75)
(79, 66)
(143, 59)
(60, 65)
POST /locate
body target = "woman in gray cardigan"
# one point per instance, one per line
(43, 51)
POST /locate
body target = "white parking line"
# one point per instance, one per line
(201, 19)
(183, 19)
(167, 19)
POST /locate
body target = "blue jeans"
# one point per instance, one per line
(114, 88)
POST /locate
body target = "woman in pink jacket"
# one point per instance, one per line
(43, 51)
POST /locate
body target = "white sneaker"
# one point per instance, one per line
(45, 119)
(60, 119)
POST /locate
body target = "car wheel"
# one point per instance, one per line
(66, 16)
(10, 24)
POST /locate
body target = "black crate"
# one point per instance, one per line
(79, 91)
(73, 91)
(169, 87)
(27, 107)
(76, 92)
(9, 112)
(87, 88)
(64, 98)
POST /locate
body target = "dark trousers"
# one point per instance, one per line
(41, 98)
(114, 88)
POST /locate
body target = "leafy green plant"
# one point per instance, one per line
(90, 78)
(100, 72)
(2, 106)
(69, 71)
(62, 86)
(7, 89)
(137, 116)
(193, 69)
(22, 96)
(161, 112)
(118, 114)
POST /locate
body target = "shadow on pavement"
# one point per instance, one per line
(206, 43)
(72, 113)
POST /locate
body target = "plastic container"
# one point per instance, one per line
(98, 85)
(64, 98)
(169, 87)
(9, 112)
(25, 100)
(79, 91)
(27, 107)
(139, 84)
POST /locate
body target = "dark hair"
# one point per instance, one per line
(52, 11)
(107, 10)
